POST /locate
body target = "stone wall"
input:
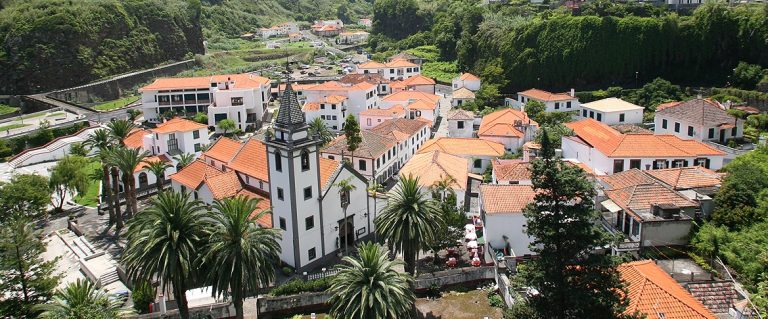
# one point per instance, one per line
(454, 277)
(217, 310)
(277, 307)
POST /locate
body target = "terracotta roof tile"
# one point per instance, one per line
(508, 199)
(194, 174)
(637, 199)
(372, 146)
(151, 159)
(328, 169)
(252, 160)
(463, 146)
(396, 111)
(178, 124)
(512, 170)
(204, 82)
(468, 77)
(264, 204)
(546, 96)
(687, 177)
(502, 123)
(338, 86)
(463, 93)
(698, 111)
(627, 178)
(460, 114)
(374, 78)
(434, 166)
(370, 65)
(399, 63)
(223, 150)
(423, 105)
(653, 292)
(666, 105)
(224, 185)
(418, 80)
(400, 128)
(135, 139)
(405, 96)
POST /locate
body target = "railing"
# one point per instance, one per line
(51, 146)
(322, 274)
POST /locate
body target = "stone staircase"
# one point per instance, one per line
(109, 278)
(47, 151)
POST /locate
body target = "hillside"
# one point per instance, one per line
(47, 44)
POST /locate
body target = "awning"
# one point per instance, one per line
(610, 206)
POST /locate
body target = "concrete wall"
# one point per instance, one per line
(217, 310)
(668, 232)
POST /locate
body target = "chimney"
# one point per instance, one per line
(573, 92)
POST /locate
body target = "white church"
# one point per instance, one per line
(306, 203)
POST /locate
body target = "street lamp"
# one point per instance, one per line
(637, 75)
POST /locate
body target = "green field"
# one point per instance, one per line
(91, 196)
(116, 104)
(13, 126)
(5, 109)
(245, 61)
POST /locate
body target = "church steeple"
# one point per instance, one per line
(290, 114)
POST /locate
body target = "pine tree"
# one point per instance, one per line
(572, 281)
(27, 280)
(352, 133)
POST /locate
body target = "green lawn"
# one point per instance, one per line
(116, 104)
(440, 71)
(91, 196)
(12, 126)
(5, 109)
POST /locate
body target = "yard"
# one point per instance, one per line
(458, 305)
(5, 109)
(116, 104)
(91, 196)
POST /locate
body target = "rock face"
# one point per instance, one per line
(54, 44)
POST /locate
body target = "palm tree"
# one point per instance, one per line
(374, 188)
(318, 127)
(183, 160)
(120, 129)
(158, 169)
(242, 254)
(370, 287)
(127, 159)
(163, 243)
(443, 187)
(410, 221)
(81, 299)
(345, 186)
(101, 140)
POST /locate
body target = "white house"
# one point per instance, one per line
(510, 127)
(511, 172)
(501, 208)
(242, 98)
(460, 123)
(359, 97)
(435, 166)
(697, 119)
(554, 102)
(612, 111)
(417, 104)
(373, 117)
(461, 96)
(415, 83)
(382, 83)
(468, 81)
(479, 152)
(607, 151)
(394, 70)
(331, 109)
(353, 37)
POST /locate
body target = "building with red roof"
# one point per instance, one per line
(698, 119)
(468, 81)
(554, 102)
(510, 127)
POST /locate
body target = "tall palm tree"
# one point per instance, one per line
(120, 129)
(82, 299)
(163, 242)
(318, 127)
(369, 287)
(410, 221)
(101, 140)
(158, 169)
(183, 160)
(345, 187)
(374, 188)
(127, 159)
(242, 254)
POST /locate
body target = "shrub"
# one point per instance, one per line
(297, 286)
(495, 300)
(143, 295)
(287, 270)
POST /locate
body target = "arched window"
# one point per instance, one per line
(304, 160)
(278, 161)
(143, 182)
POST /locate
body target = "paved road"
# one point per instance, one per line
(445, 108)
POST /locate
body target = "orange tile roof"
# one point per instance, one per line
(627, 178)
(204, 82)
(502, 199)
(151, 159)
(311, 106)
(400, 63)
(135, 139)
(546, 96)
(687, 177)
(666, 105)
(372, 146)
(434, 166)
(405, 96)
(637, 199)
(657, 295)
(370, 65)
(252, 160)
(263, 204)
(468, 77)
(502, 123)
(178, 124)
(463, 146)
(400, 128)
(418, 80)
(224, 185)
(193, 175)
(328, 169)
(511, 170)
(422, 105)
(463, 93)
(223, 149)
(614, 144)
(394, 112)
(460, 114)
(338, 86)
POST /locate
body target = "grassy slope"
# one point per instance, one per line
(5, 109)
(91, 196)
(116, 104)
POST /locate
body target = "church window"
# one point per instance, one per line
(278, 162)
(304, 160)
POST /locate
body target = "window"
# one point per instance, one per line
(635, 227)
(197, 197)
(567, 105)
(309, 222)
(333, 106)
(460, 124)
(664, 123)
(734, 131)
(361, 165)
(282, 224)
(599, 117)
(591, 114)
(659, 164)
(583, 113)
(368, 121)
(304, 160)
(322, 117)
(279, 193)
(478, 163)
(237, 101)
(557, 105)
(312, 254)
(635, 163)
(677, 127)
(331, 157)
(278, 162)
(391, 70)
(711, 133)
(618, 165)
(690, 130)
(308, 192)
(322, 106)
(621, 117)
(197, 147)
(679, 163)
(196, 134)
(704, 162)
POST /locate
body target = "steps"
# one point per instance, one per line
(53, 146)
(109, 278)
